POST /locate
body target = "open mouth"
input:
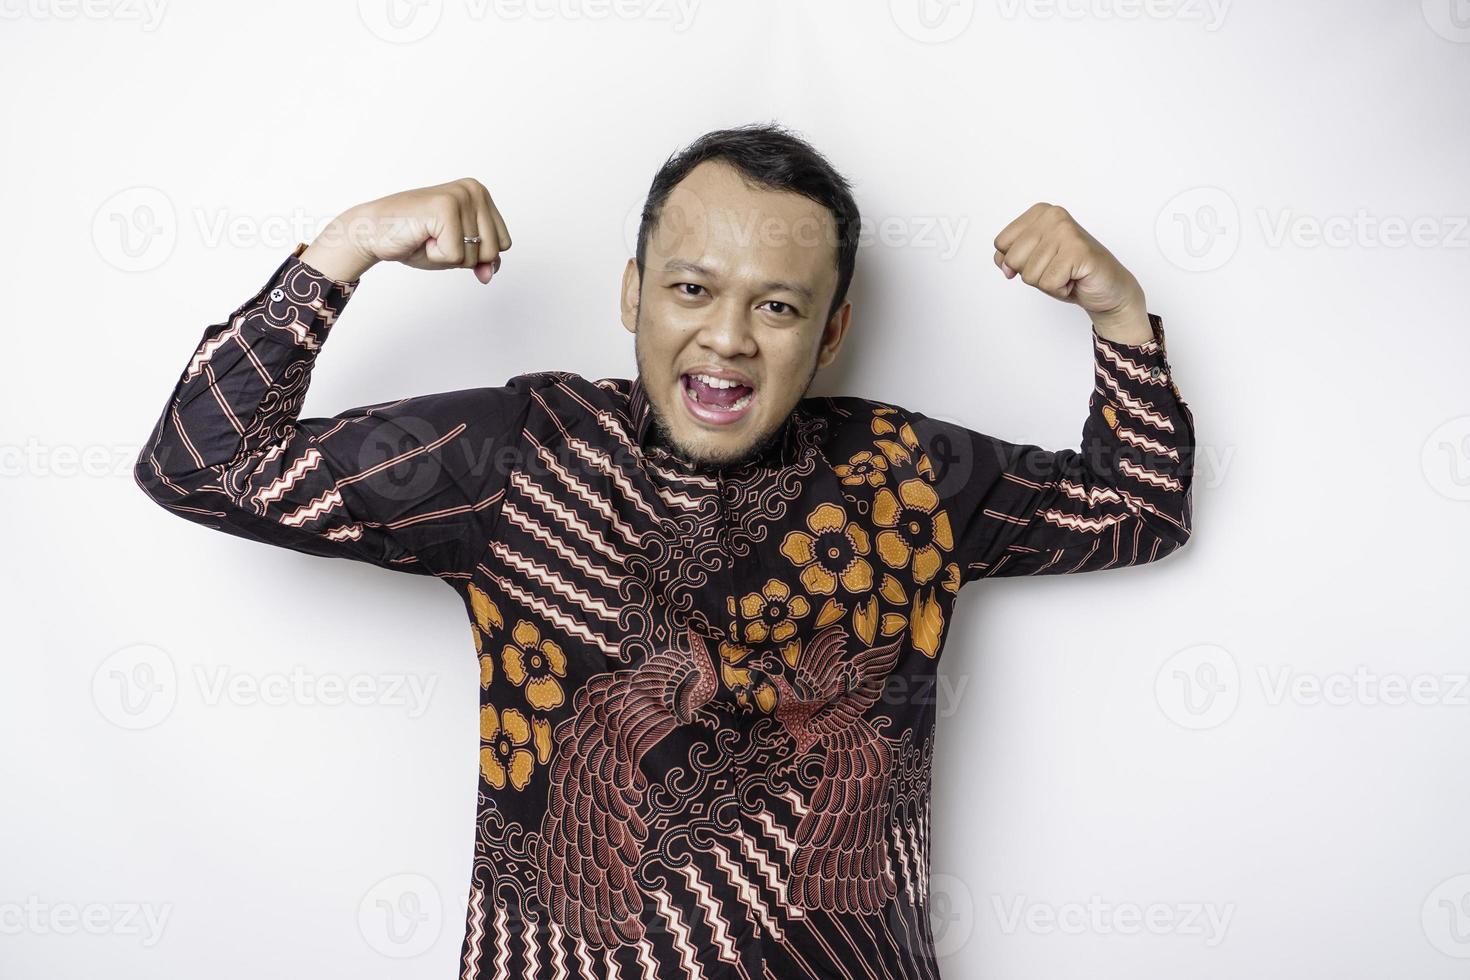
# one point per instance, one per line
(716, 398)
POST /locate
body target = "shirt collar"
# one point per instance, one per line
(784, 450)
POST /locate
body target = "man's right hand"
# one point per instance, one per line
(424, 228)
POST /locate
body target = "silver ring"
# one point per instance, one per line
(472, 239)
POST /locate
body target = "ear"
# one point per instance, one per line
(632, 286)
(833, 334)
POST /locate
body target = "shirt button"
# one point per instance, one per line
(1154, 373)
(278, 294)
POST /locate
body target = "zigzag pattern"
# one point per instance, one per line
(475, 933)
(565, 516)
(538, 572)
(278, 487)
(1146, 475)
(1093, 497)
(501, 961)
(1145, 442)
(746, 889)
(679, 933)
(774, 875)
(593, 500)
(1135, 406)
(1077, 522)
(598, 460)
(325, 504)
(539, 531)
(1132, 369)
(714, 918)
(345, 532)
(558, 950)
(551, 613)
(209, 348)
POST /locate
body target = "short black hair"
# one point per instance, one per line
(768, 155)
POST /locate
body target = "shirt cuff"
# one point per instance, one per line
(297, 304)
(1152, 355)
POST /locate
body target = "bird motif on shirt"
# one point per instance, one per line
(841, 863)
(592, 834)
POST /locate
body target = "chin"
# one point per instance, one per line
(699, 448)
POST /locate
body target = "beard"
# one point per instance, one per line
(699, 457)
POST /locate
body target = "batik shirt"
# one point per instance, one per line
(706, 717)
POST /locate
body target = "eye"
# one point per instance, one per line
(692, 285)
(786, 307)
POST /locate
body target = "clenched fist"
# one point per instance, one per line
(424, 228)
(1048, 249)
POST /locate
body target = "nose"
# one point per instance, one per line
(727, 331)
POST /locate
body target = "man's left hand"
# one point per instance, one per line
(1048, 249)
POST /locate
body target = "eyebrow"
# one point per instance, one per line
(684, 265)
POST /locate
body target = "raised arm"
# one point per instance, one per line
(1124, 496)
(409, 484)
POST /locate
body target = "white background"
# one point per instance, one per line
(1223, 734)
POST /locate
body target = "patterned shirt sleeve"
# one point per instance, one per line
(412, 484)
(1122, 498)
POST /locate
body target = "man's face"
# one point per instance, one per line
(729, 320)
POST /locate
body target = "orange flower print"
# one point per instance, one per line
(750, 684)
(508, 739)
(770, 615)
(905, 447)
(916, 529)
(831, 553)
(487, 617)
(535, 664)
(927, 623)
(863, 467)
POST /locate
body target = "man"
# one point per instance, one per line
(703, 602)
